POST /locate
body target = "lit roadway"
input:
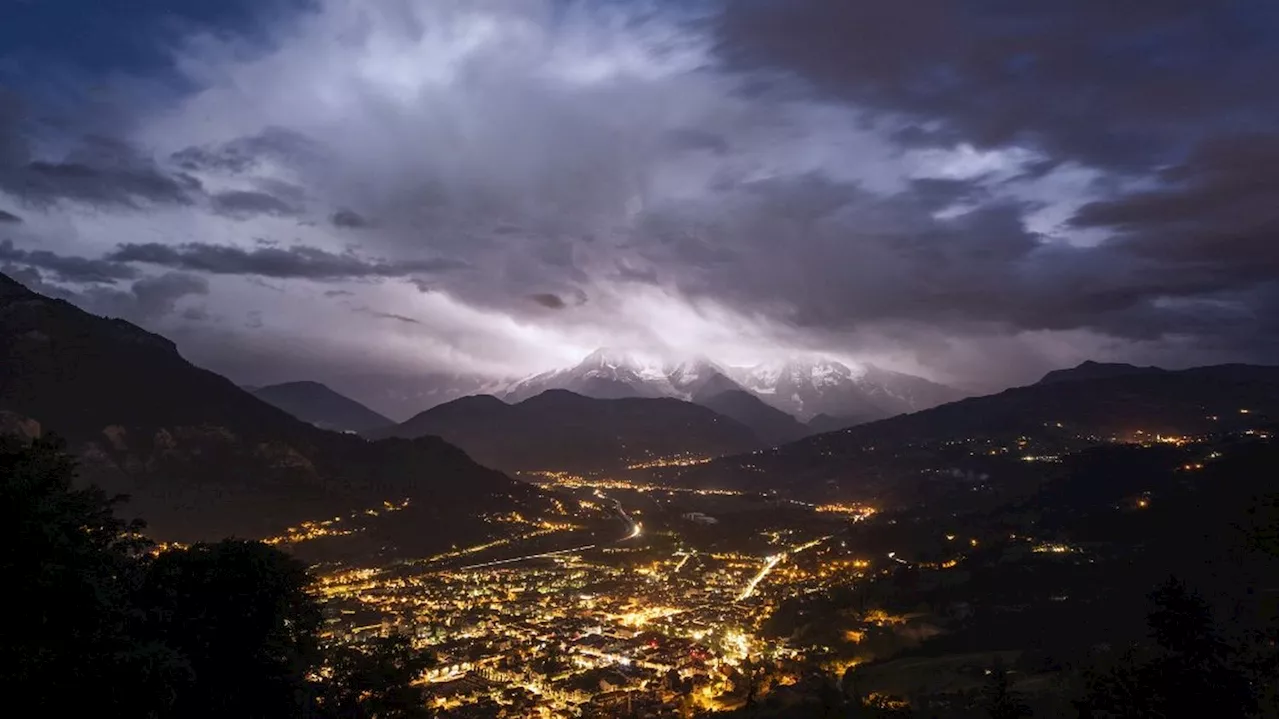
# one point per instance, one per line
(632, 533)
(773, 561)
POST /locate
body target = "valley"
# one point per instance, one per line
(683, 599)
(533, 359)
(569, 555)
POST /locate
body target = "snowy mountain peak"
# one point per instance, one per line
(797, 370)
(606, 373)
(806, 386)
(615, 362)
(801, 385)
(609, 357)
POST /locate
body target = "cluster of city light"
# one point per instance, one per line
(771, 562)
(676, 461)
(613, 604)
(315, 529)
(569, 480)
(641, 616)
(308, 531)
(857, 511)
(161, 547)
(639, 598)
(595, 612)
(880, 618)
(544, 528)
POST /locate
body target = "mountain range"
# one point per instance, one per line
(561, 430)
(202, 458)
(1077, 407)
(801, 386)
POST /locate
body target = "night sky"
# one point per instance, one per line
(976, 192)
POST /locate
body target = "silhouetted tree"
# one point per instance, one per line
(374, 680)
(828, 699)
(98, 627)
(998, 700)
(240, 614)
(68, 637)
(1190, 671)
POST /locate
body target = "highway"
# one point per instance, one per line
(634, 530)
(774, 560)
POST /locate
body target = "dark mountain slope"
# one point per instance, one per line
(561, 430)
(771, 425)
(1096, 370)
(315, 403)
(201, 457)
(829, 423)
(1037, 419)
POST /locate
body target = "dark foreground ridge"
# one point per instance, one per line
(200, 457)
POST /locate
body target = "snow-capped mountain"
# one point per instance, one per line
(610, 373)
(801, 386)
(604, 374)
(809, 386)
(699, 378)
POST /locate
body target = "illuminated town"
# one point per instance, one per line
(628, 600)
(636, 598)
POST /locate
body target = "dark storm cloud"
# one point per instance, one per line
(349, 219)
(830, 257)
(245, 153)
(245, 203)
(839, 255)
(1166, 90)
(937, 194)
(44, 182)
(68, 268)
(864, 179)
(195, 314)
(31, 278)
(148, 299)
(98, 171)
(1204, 246)
(548, 300)
(9, 217)
(627, 273)
(386, 315)
(697, 139)
(1110, 84)
(295, 262)
(157, 295)
(1217, 209)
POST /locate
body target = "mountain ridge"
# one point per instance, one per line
(317, 404)
(770, 424)
(1090, 369)
(562, 430)
(1124, 407)
(803, 386)
(200, 457)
